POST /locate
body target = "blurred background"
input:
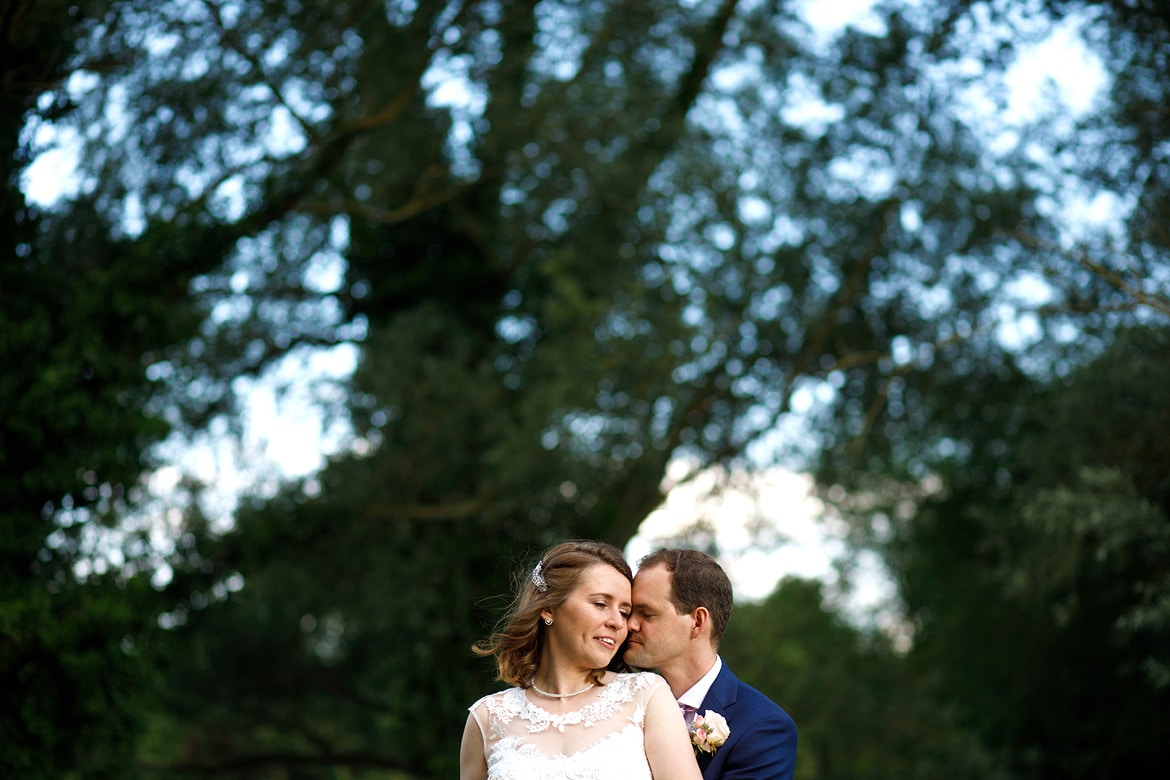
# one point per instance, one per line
(319, 320)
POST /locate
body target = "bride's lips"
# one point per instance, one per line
(607, 642)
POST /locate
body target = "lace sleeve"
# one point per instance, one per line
(479, 711)
(646, 683)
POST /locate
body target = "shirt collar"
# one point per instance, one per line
(697, 692)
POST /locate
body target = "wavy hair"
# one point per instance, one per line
(519, 638)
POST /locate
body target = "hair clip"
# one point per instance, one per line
(538, 579)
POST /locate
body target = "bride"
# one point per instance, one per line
(567, 717)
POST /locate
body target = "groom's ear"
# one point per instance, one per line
(702, 619)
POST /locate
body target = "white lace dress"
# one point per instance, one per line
(601, 740)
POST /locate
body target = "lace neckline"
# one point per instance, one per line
(515, 703)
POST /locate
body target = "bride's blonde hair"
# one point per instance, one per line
(520, 636)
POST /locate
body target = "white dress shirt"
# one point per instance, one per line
(697, 692)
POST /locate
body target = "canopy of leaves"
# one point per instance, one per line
(861, 709)
(1037, 581)
(572, 241)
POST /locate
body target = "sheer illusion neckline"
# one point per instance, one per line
(596, 707)
(523, 740)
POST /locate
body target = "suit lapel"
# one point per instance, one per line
(723, 692)
(720, 698)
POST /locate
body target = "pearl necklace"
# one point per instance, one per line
(588, 687)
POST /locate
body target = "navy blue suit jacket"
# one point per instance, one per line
(762, 743)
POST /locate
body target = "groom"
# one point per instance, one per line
(682, 600)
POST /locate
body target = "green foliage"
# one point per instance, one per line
(569, 242)
(862, 710)
(1038, 583)
(75, 682)
(81, 310)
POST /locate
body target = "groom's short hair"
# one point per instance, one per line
(696, 580)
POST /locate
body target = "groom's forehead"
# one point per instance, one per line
(652, 585)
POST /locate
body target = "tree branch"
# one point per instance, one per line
(1132, 289)
(235, 44)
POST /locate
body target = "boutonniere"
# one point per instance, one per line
(708, 732)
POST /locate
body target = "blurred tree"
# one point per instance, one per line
(1019, 505)
(862, 710)
(573, 241)
(79, 307)
(1037, 577)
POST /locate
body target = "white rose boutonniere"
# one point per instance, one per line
(708, 732)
